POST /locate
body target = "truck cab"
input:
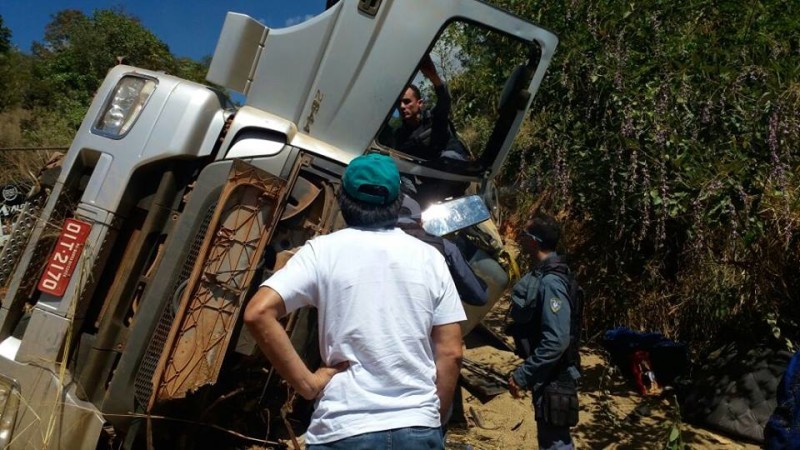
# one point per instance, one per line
(123, 284)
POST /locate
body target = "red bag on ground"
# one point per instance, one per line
(643, 374)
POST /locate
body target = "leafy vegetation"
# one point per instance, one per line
(48, 91)
(665, 136)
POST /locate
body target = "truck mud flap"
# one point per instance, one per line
(242, 224)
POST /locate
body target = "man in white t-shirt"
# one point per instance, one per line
(388, 316)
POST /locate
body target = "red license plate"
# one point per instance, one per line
(64, 258)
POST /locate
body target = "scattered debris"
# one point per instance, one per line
(479, 420)
(482, 381)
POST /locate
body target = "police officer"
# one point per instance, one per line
(547, 370)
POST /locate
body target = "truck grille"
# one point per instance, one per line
(144, 377)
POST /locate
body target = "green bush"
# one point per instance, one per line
(666, 134)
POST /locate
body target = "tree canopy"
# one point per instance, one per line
(56, 83)
(77, 50)
(5, 37)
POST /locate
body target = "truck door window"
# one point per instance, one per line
(444, 117)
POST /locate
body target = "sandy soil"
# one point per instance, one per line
(612, 415)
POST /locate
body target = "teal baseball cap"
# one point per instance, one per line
(373, 179)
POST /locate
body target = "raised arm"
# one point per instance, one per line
(428, 70)
(440, 114)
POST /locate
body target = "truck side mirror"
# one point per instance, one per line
(453, 215)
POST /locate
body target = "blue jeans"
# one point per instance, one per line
(411, 438)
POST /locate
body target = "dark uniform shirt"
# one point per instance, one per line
(432, 137)
(552, 328)
(471, 289)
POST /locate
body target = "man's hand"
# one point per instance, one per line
(514, 388)
(321, 378)
(428, 70)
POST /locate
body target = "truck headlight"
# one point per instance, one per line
(123, 106)
(9, 403)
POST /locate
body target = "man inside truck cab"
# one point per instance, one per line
(427, 134)
(388, 314)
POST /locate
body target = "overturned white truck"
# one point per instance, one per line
(123, 283)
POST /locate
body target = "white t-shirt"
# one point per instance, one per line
(378, 294)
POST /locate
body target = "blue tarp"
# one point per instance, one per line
(783, 427)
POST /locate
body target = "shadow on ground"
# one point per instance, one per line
(613, 415)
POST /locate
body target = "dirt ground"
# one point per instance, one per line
(612, 414)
